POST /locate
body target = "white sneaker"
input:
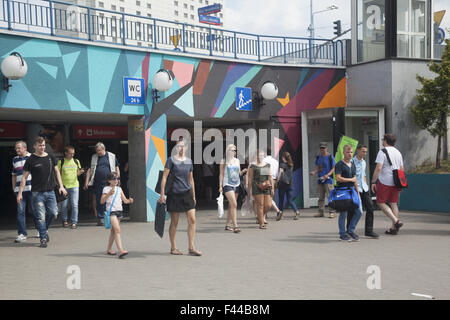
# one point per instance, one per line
(20, 238)
(37, 235)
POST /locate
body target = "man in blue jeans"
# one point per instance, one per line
(43, 167)
(346, 177)
(102, 164)
(18, 163)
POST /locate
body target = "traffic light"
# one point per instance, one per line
(337, 27)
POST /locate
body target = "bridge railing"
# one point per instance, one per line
(70, 20)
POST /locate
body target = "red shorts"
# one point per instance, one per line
(387, 193)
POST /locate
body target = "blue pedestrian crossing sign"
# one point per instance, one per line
(243, 99)
(133, 90)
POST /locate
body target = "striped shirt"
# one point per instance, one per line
(18, 163)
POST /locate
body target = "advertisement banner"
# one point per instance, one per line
(340, 150)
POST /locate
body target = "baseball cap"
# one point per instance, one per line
(323, 145)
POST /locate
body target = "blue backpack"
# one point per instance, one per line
(344, 199)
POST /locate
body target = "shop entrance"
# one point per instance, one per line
(206, 177)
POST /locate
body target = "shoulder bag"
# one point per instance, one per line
(400, 180)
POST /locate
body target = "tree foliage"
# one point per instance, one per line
(432, 109)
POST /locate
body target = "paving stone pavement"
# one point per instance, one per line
(293, 260)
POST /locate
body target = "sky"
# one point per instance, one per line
(291, 17)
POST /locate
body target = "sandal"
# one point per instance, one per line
(391, 231)
(263, 227)
(296, 215)
(236, 230)
(111, 253)
(194, 252)
(279, 215)
(176, 252)
(123, 254)
(228, 228)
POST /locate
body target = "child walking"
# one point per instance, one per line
(116, 212)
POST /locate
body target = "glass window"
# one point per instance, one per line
(185, 15)
(138, 3)
(176, 13)
(185, 6)
(149, 6)
(175, 3)
(138, 13)
(100, 4)
(412, 34)
(122, 9)
(113, 7)
(371, 29)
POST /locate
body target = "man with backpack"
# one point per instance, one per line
(325, 164)
(70, 169)
(388, 160)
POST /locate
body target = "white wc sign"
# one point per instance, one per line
(133, 90)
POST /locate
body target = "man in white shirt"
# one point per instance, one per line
(360, 165)
(385, 187)
(274, 170)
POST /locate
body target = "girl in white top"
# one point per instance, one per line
(116, 212)
(229, 181)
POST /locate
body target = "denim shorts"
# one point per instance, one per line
(230, 188)
(118, 214)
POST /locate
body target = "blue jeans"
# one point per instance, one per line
(352, 226)
(290, 198)
(21, 213)
(45, 210)
(73, 198)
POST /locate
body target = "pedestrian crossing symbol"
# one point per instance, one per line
(243, 99)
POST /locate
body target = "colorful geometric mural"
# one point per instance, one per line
(87, 78)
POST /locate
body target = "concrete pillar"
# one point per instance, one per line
(137, 175)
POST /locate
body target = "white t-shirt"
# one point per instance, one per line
(117, 206)
(273, 165)
(386, 177)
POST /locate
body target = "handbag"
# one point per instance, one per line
(344, 199)
(107, 213)
(264, 185)
(169, 182)
(160, 218)
(400, 180)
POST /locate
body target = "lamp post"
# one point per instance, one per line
(162, 81)
(311, 25)
(13, 67)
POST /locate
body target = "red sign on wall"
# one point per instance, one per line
(100, 132)
(12, 130)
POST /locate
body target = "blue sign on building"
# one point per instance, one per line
(217, 7)
(243, 99)
(133, 90)
(209, 20)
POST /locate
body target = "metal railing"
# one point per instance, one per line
(70, 20)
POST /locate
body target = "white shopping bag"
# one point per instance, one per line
(247, 206)
(220, 205)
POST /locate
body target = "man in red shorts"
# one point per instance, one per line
(385, 188)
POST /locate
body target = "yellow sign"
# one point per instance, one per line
(438, 16)
(175, 39)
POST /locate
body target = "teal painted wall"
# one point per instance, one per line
(426, 192)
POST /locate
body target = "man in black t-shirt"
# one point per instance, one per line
(43, 167)
(346, 177)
